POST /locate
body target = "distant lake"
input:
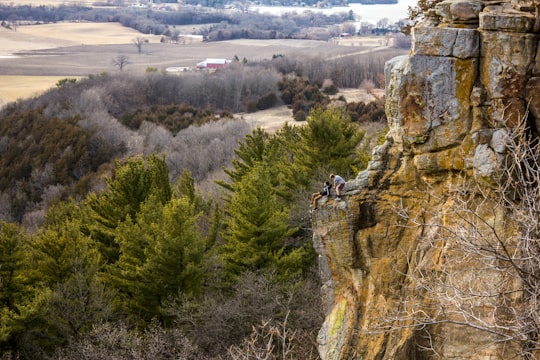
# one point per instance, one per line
(365, 13)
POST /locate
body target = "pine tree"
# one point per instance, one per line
(63, 293)
(13, 293)
(329, 141)
(250, 152)
(257, 227)
(161, 254)
(133, 183)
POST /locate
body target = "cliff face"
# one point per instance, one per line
(473, 70)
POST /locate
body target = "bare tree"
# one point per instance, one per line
(120, 62)
(480, 266)
(139, 41)
(383, 23)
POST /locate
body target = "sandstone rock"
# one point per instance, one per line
(478, 96)
(466, 10)
(440, 161)
(507, 111)
(499, 141)
(414, 104)
(388, 262)
(443, 10)
(460, 43)
(506, 61)
(536, 66)
(497, 18)
(482, 136)
(481, 118)
(486, 165)
(459, 10)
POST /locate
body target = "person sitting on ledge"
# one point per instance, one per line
(316, 196)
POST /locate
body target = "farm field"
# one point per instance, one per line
(33, 58)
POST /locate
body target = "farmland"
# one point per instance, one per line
(34, 57)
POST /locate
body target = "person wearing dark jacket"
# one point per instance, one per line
(324, 193)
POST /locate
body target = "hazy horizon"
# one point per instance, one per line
(366, 13)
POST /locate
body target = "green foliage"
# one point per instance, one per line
(331, 90)
(12, 240)
(329, 140)
(62, 295)
(257, 227)
(251, 151)
(12, 282)
(160, 256)
(64, 82)
(302, 95)
(133, 183)
(59, 150)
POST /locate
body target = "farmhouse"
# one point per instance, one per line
(213, 64)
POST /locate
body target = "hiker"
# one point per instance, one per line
(316, 196)
(339, 183)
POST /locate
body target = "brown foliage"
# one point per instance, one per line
(117, 341)
(227, 320)
(39, 151)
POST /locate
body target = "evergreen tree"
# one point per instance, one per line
(209, 213)
(329, 141)
(133, 183)
(65, 296)
(251, 151)
(161, 254)
(13, 291)
(257, 227)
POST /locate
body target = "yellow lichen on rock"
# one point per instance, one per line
(396, 251)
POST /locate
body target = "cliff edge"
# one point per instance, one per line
(403, 255)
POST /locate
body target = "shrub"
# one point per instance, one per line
(267, 101)
(300, 116)
(251, 107)
(330, 90)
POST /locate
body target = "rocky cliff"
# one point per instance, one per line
(402, 278)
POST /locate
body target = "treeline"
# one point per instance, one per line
(221, 25)
(156, 262)
(344, 72)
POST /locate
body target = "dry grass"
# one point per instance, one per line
(58, 35)
(46, 37)
(14, 87)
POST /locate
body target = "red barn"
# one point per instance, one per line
(213, 63)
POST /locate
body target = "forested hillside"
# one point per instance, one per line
(111, 247)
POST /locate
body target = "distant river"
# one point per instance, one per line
(364, 13)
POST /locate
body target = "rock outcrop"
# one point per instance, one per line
(473, 72)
